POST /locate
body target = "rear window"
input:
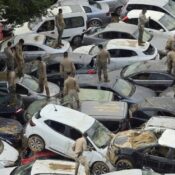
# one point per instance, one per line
(74, 22)
(150, 50)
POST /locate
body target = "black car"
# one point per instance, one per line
(11, 105)
(152, 74)
(138, 149)
(141, 112)
(11, 131)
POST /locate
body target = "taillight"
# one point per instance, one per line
(32, 123)
(19, 111)
(91, 71)
(125, 19)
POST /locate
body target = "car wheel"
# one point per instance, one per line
(99, 168)
(77, 40)
(36, 143)
(95, 23)
(124, 164)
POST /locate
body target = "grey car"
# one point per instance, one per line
(141, 112)
(97, 14)
(152, 74)
(122, 89)
(121, 30)
(27, 87)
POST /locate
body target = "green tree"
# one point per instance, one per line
(19, 11)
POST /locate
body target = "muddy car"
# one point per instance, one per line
(11, 131)
(138, 149)
(112, 114)
(141, 112)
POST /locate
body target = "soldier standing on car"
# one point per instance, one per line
(20, 58)
(67, 66)
(71, 88)
(42, 76)
(60, 24)
(142, 20)
(103, 58)
(79, 147)
(10, 66)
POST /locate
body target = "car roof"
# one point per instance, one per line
(66, 9)
(167, 103)
(146, 66)
(127, 172)
(161, 122)
(67, 116)
(167, 138)
(159, 3)
(121, 27)
(125, 43)
(105, 110)
(53, 166)
(149, 13)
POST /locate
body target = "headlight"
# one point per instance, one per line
(6, 163)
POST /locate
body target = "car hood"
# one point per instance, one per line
(83, 49)
(9, 153)
(141, 93)
(169, 92)
(6, 171)
(53, 88)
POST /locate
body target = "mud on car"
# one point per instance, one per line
(138, 149)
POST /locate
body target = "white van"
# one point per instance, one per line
(75, 20)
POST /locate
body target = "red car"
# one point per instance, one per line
(28, 156)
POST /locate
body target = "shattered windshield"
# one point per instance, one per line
(99, 135)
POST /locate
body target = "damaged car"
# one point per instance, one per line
(56, 128)
(138, 149)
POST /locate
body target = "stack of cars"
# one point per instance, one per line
(128, 122)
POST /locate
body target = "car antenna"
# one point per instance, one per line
(55, 107)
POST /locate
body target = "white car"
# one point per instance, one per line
(135, 172)
(123, 52)
(56, 128)
(37, 45)
(166, 6)
(45, 167)
(8, 155)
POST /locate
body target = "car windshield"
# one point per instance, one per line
(1, 146)
(51, 42)
(170, 7)
(22, 170)
(34, 22)
(168, 21)
(133, 68)
(30, 83)
(94, 50)
(124, 88)
(99, 135)
(146, 35)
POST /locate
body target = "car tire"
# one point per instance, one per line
(124, 163)
(99, 168)
(36, 143)
(77, 40)
(94, 23)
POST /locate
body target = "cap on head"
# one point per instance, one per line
(60, 11)
(100, 46)
(39, 58)
(21, 41)
(144, 10)
(9, 43)
(65, 54)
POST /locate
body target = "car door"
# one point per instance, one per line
(56, 139)
(31, 52)
(48, 28)
(122, 57)
(155, 81)
(157, 159)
